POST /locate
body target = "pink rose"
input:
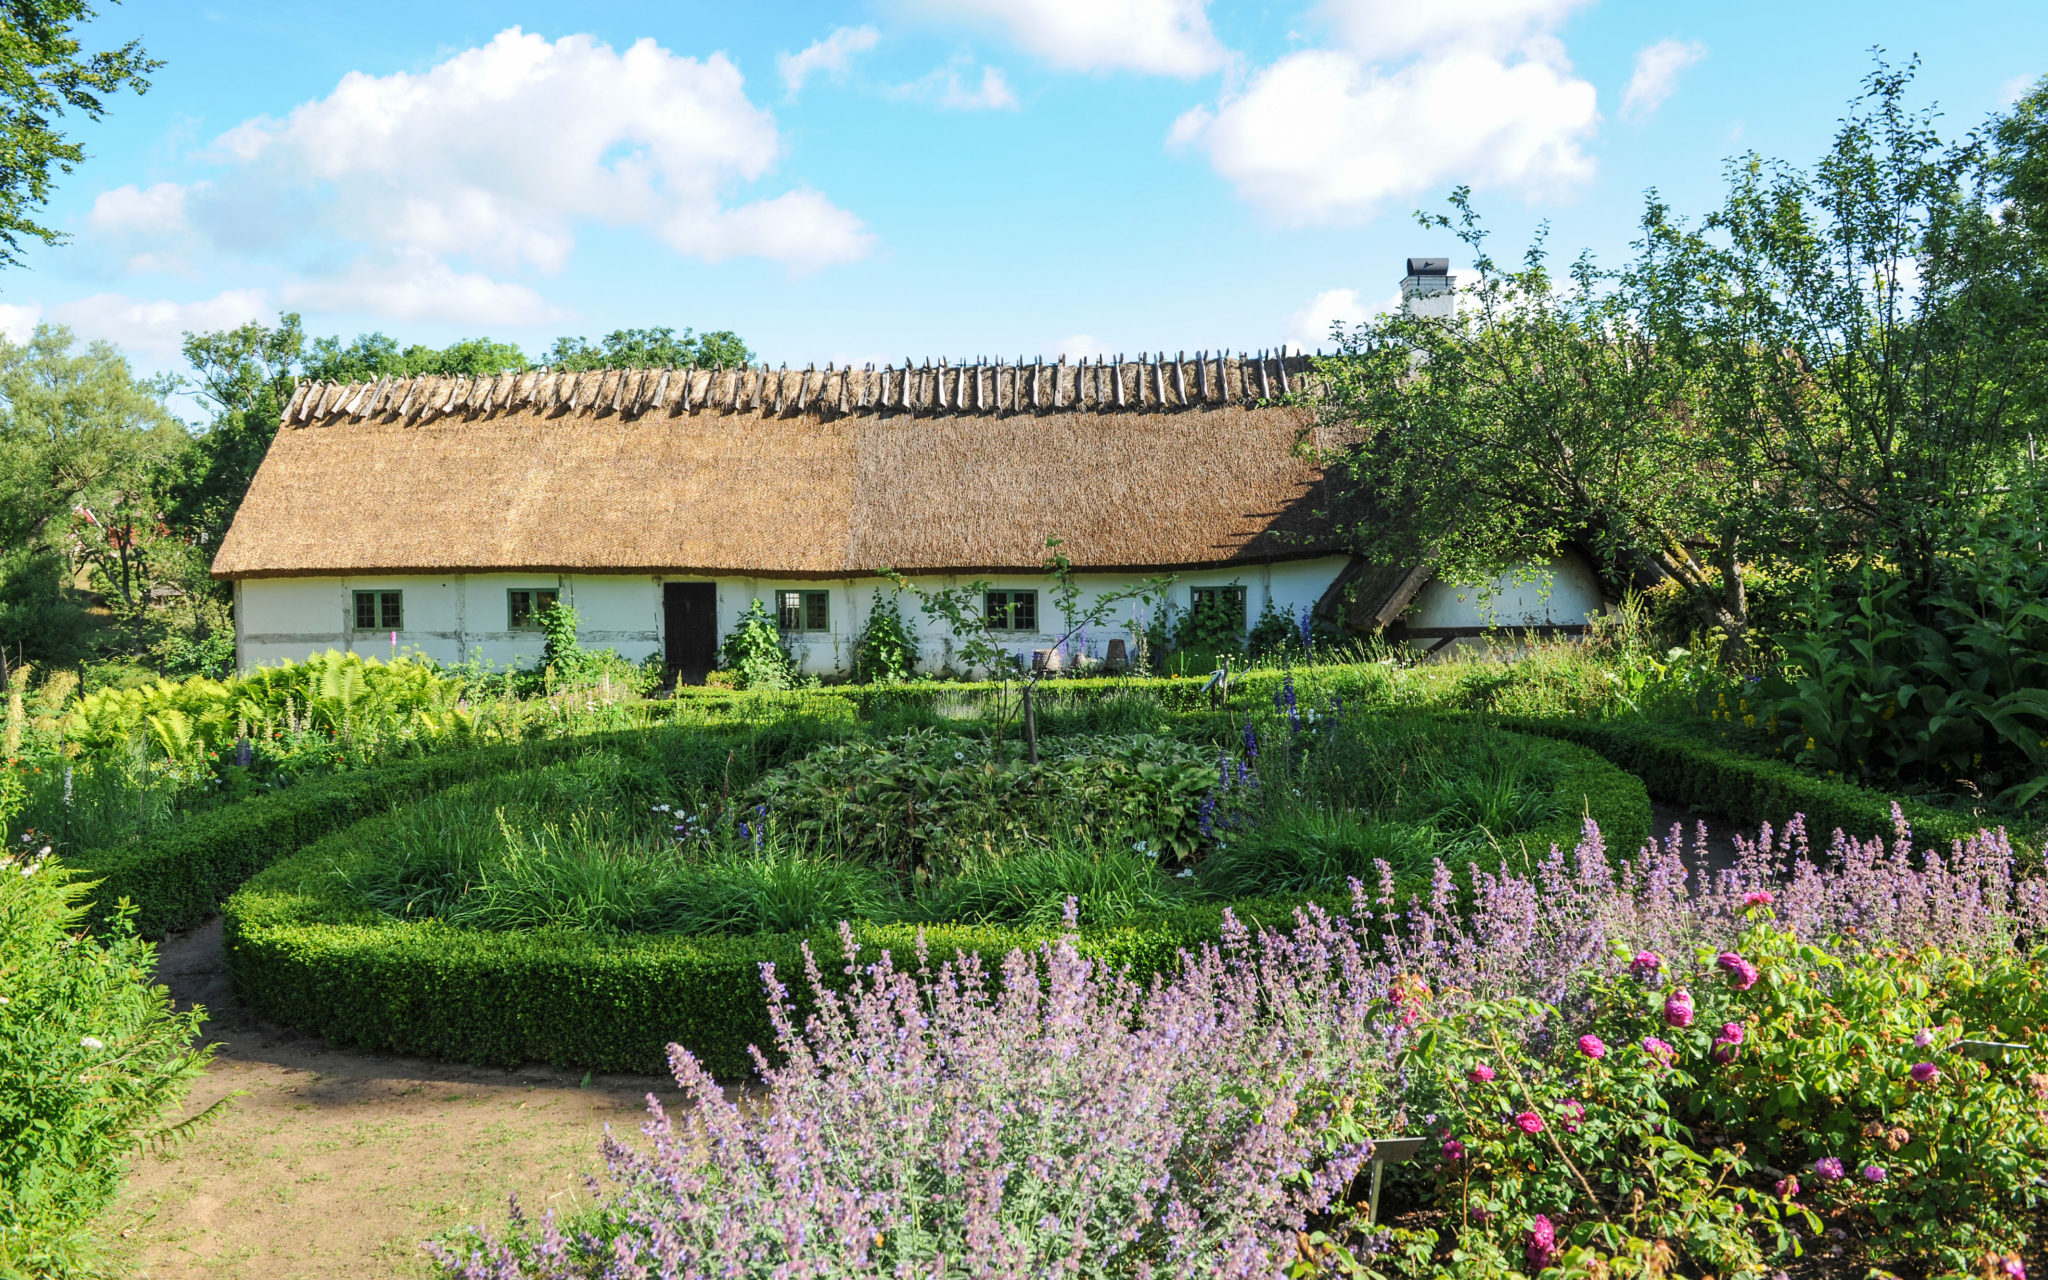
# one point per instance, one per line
(1454, 1149)
(1661, 1050)
(1592, 1046)
(1480, 1074)
(1758, 898)
(1741, 973)
(1542, 1243)
(1678, 1009)
(1925, 1073)
(1529, 1122)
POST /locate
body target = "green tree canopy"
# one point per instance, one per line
(373, 355)
(649, 349)
(42, 75)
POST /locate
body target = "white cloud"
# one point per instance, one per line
(421, 287)
(1378, 30)
(1656, 75)
(832, 56)
(18, 322)
(1158, 37)
(950, 90)
(156, 211)
(1309, 327)
(2016, 88)
(155, 328)
(499, 152)
(1325, 136)
(1077, 345)
(800, 229)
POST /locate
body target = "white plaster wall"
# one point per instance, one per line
(458, 617)
(1565, 593)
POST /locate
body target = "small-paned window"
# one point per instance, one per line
(803, 610)
(1011, 610)
(1225, 605)
(380, 611)
(524, 605)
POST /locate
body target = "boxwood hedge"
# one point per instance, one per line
(304, 950)
(1679, 767)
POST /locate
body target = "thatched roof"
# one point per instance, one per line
(1149, 464)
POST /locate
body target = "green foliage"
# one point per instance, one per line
(649, 349)
(754, 652)
(1210, 626)
(560, 647)
(92, 1059)
(1678, 765)
(373, 355)
(1406, 789)
(42, 75)
(884, 649)
(1947, 693)
(941, 804)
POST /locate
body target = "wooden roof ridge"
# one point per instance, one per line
(1148, 384)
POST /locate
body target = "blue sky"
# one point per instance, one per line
(933, 178)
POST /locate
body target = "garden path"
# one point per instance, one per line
(330, 1163)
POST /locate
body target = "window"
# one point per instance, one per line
(524, 605)
(1012, 610)
(380, 611)
(1221, 606)
(803, 610)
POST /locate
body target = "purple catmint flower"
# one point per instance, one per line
(1873, 1173)
(1251, 745)
(1453, 1149)
(1592, 1046)
(1742, 975)
(1830, 1168)
(1542, 1246)
(1678, 1011)
(1925, 1073)
(1480, 1074)
(1529, 1122)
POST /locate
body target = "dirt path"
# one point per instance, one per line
(335, 1163)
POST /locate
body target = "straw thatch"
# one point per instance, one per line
(1136, 465)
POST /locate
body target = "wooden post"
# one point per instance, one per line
(1031, 721)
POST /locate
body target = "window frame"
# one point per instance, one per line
(1008, 610)
(379, 598)
(534, 609)
(1223, 591)
(808, 604)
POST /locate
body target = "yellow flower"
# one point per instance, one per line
(1809, 744)
(1750, 720)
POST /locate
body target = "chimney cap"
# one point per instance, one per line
(1429, 266)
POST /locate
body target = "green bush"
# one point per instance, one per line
(1679, 767)
(755, 654)
(92, 1057)
(884, 649)
(305, 950)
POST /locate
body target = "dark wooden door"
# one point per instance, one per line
(689, 627)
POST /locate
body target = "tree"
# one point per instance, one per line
(373, 355)
(86, 449)
(1867, 329)
(649, 349)
(1540, 416)
(42, 75)
(245, 378)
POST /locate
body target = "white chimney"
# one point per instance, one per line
(1427, 289)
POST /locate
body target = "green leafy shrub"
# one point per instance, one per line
(755, 654)
(884, 649)
(92, 1058)
(1942, 693)
(930, 800)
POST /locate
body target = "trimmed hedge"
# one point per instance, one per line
(306, 951)
(178, 879)
(301, 954)
(1680, 768)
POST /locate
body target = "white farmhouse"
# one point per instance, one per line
(441, 515)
